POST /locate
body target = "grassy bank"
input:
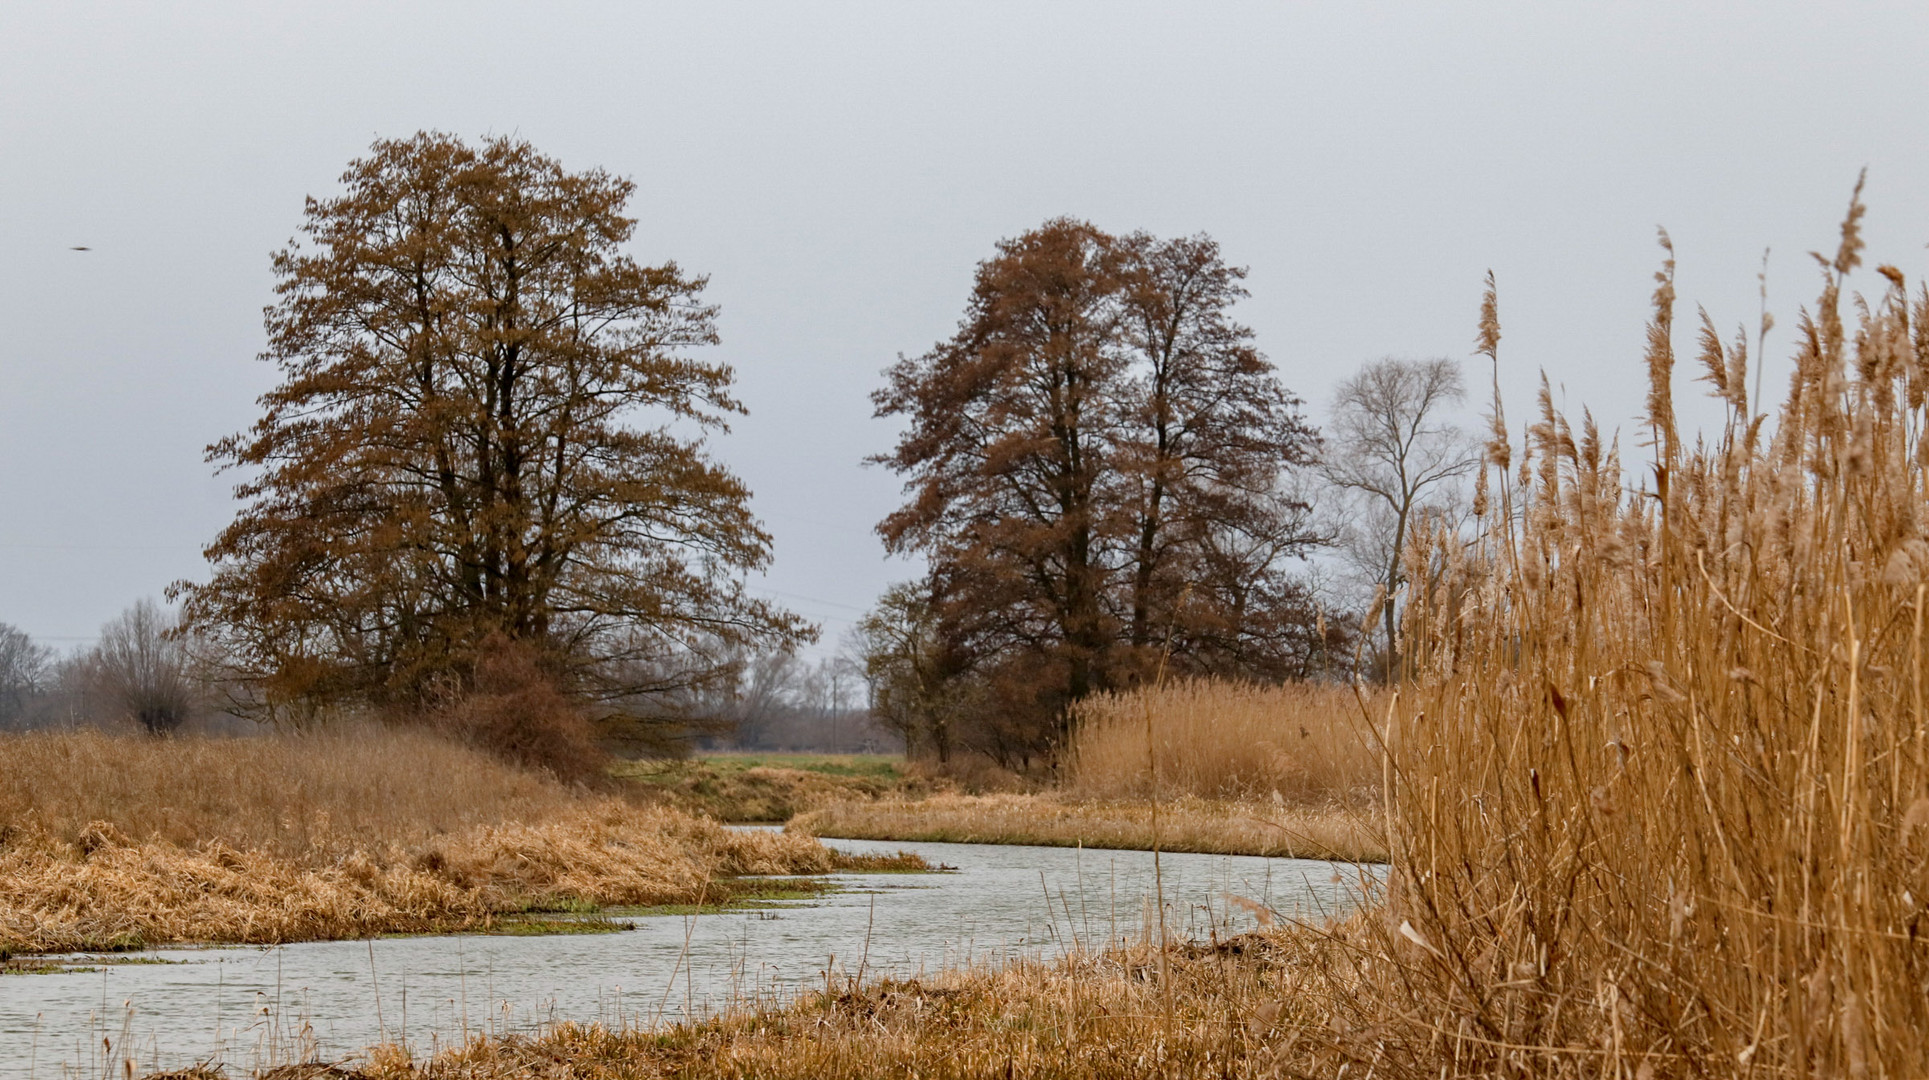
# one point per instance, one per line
(1233, 768)
(121, 842)
(1056, 820)
(769, 788)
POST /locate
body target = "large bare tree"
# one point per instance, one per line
(142, 669)
(24, 668)
(1205, 435)
(491, 423)
(1097, 443)
(1393, 446)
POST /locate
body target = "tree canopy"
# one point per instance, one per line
(490, 426)
(1094, 465)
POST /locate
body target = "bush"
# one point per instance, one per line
(516, 711)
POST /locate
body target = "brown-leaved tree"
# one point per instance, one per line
(490, 428)
(1094, 463)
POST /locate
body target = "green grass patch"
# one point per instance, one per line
(743, 894)
(885, 767)
(529, 926)
(74, 965)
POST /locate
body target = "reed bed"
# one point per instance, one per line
(1200, 766)
(1212, 826)
(1659, 782)
(120, 842)
(1305, 743)
(338, 790)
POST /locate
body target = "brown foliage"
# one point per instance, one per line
(1093, 462)
(515, 710)
(481, 429)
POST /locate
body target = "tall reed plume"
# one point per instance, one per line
(1659, 800)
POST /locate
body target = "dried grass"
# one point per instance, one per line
(1093, 1016)
(728, 788)
(1213, 739)
(1197, 825)
(334, 791)
(1659, 778)
(119, 841)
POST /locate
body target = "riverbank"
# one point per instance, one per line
(1258, 1004)
(121, 843)
(1053, 820)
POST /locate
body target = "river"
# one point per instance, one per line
(249, 1007)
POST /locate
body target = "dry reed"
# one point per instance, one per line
(110, 842)
(334, 791)
(1223, 740)
(1213, 826)
(1659, 789)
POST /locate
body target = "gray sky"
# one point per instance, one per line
(838, 169)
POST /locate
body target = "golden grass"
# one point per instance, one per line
(1242, 770)
(334, 791)
(121, 841)
(1660, 779)
(1057, 820)
(1213, 739)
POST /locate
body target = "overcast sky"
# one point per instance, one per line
(838, 170)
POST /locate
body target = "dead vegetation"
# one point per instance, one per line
(1656, 787)
(1240, 770)
(773, 788)
(1212, 739)
(116, 842)
(1215, 826)
(1658, 782)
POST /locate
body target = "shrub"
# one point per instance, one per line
(516, 711)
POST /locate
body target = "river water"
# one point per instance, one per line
(248, 1007)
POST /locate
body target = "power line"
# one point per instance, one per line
(98, 547)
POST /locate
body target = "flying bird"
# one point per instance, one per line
(79, 248)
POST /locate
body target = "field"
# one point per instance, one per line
(769, 788)
(116, 843)
(1186, 824)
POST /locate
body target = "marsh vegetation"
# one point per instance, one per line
(1644, 749)
(122, 843)
(1654, 782)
